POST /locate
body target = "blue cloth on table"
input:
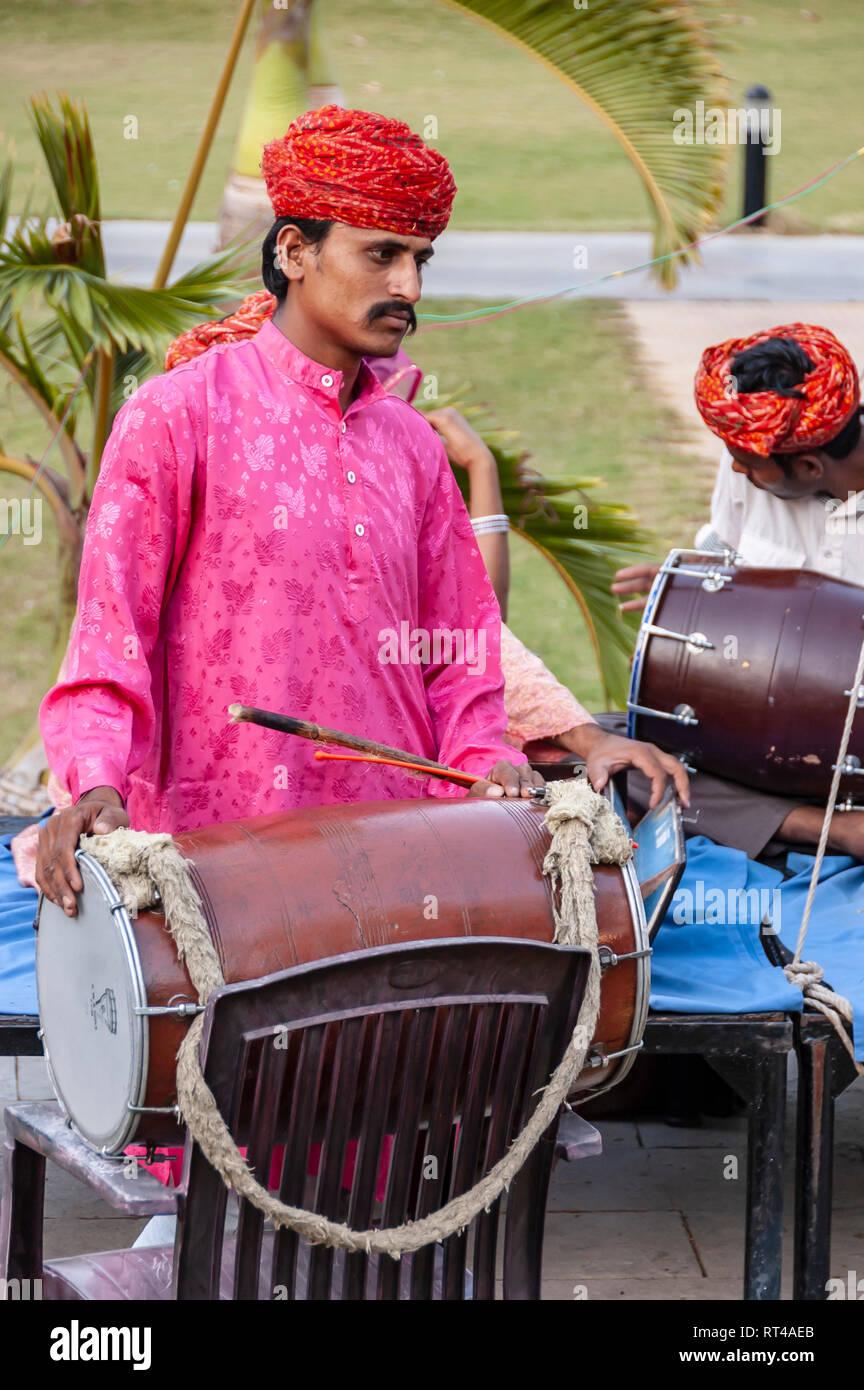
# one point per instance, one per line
(17, 938)
(707, 954)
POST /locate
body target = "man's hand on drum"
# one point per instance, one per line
(634, 579)
(507, 780)
(98, 812)
(605, 753)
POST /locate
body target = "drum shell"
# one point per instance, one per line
(770, 696)
(280, 891)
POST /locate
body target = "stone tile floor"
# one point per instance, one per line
(659, 1216)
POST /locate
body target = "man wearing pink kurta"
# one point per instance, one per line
(270, 526)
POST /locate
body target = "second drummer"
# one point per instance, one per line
(789, 489)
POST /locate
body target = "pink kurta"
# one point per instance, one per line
(247, 542)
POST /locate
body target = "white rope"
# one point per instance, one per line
(807, 975)
(584, 829)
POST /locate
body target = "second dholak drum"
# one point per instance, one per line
(283, 890)
(747, 673)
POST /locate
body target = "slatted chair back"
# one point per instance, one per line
(398, 1073)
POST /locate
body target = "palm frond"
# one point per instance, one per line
(66, 142)
(584, 546)
(635, 63)
(124, 316)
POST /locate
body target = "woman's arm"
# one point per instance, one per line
(466, 449)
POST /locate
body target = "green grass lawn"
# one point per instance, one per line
(564, 375)
(526, 152)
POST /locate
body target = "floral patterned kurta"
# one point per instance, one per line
(247, 542)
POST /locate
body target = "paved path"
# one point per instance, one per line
(500, 266)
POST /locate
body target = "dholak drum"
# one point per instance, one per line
(746, 672)
(282, 890)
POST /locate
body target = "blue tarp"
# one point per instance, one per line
(17, 939)
(707, 954)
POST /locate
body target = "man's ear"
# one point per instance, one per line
(809, 467)
(289, 252)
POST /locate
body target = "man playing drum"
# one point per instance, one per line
(788, 493)
(263, 514)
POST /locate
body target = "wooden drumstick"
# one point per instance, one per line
(285, 724)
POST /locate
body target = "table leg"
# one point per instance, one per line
(763, 1239)
(814, 1168)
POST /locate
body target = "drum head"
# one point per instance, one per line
(89, 980)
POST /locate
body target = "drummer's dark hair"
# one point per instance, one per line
(779, 365)
(311, 229)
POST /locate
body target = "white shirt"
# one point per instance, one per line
(798, 533)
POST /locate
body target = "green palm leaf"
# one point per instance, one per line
(635, 63)
(67, 145)
(123, 315)
(114, 334)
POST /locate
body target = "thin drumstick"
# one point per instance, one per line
(446, 774)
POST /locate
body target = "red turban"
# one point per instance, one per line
(361, 168)
(763, 422)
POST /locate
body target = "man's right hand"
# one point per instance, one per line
(634, 579)
(97, 813)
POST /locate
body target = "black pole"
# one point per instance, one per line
(755, 168)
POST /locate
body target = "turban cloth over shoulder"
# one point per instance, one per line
(244, 323)
(763, 422)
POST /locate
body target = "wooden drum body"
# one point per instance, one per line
(282, 890)
(746, 672)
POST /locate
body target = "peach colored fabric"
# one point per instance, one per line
(537, 705)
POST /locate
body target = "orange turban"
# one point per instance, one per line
(763, 422)
(254, 311)
(361, 168)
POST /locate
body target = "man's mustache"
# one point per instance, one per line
(406, 311)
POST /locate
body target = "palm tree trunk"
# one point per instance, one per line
(291, 63)
(102, 410)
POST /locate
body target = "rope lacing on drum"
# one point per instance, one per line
(584, 831)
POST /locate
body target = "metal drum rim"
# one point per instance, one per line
(123, 1134)
(643, 987)
(643, 636)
